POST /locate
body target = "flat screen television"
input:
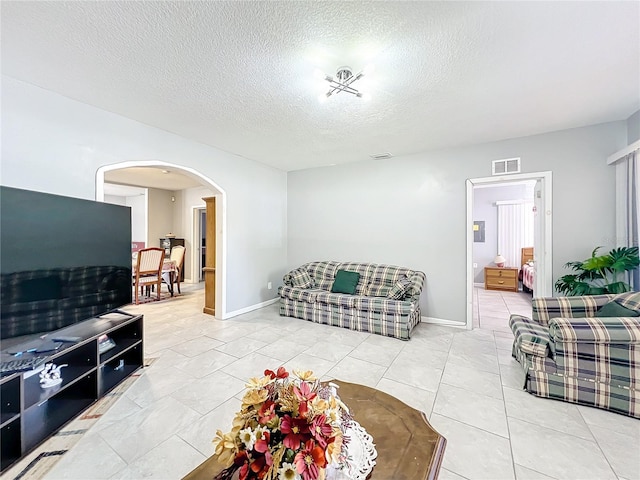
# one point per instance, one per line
(62, 260)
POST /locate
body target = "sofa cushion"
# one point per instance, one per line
(612, 330)
(386, 305)
(630, 300)
(602, 349)
(339, 299)
(546, 308)
(345, 282)
(399, 290)
(300, 278)
(614, 309)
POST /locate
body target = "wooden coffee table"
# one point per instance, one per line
(408, 447)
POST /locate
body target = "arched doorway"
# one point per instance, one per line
(220, 220)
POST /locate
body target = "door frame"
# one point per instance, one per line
(543, 286)
(198, 232)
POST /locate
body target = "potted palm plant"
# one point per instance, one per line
(600, 274)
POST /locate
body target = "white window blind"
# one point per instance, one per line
(515, 229)
(628, 202)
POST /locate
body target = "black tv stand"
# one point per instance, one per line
(30, 414)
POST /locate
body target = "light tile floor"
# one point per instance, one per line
(466, 381)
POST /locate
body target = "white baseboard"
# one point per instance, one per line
(443, 321)
(479, 285)
(250, 308)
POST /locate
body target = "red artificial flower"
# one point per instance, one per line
(304, 393)
(261, 463)
(243, 472)
(241, 457)
(321, 430)
(262, 444)
(303, 409)
(296, 431)
(282, 373)
(260, 466)
(267, 412)
(309, 461)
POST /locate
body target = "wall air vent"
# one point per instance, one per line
(381, 156)
(506, 166)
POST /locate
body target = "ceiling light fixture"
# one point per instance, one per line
(343, 82)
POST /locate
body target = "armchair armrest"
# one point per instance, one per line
(417, 280)
(287, 279)
(299, 278)
(595, 330)
(530, 336)
(546, 308)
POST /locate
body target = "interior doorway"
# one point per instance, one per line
(201, 236)
(219, 248)
(542, 231)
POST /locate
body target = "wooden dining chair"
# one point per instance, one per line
(177, 255)
(148, 272)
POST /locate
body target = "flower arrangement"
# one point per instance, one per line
(289, 428)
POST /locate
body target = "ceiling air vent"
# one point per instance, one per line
(508, 165)
(381, 156)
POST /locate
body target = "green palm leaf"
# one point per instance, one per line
(597, 274)
(624, 259)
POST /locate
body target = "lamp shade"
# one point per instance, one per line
(499, 260)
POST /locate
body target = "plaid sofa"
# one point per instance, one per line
(386, 300)
(43, 300)
(569, 354)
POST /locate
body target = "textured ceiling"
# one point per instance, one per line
(150, 177)
(240, 75)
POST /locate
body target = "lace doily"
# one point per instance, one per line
(361, 459)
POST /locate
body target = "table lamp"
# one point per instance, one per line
(499, 260)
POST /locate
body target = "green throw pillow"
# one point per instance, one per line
(629, 300)
(614, 309)
(345, 282)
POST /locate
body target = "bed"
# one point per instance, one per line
(527, 269)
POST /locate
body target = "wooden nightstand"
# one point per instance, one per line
(501, 278)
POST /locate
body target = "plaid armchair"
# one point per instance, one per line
(568, 353)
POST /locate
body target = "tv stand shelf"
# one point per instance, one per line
(29, 413)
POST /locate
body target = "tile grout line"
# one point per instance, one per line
(604, 455)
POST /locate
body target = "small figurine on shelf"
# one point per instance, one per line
(50, 375)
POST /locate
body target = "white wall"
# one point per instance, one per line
(138, 214)
(411, 210)
(116, 200)
(633, 128)
(138, 206)
(53, 144)
(160, 216)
